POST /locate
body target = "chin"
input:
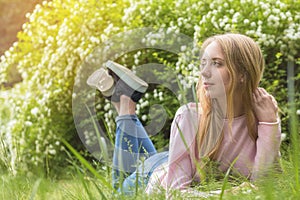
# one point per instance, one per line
(215, 95)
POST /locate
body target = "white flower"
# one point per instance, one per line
(246, 21)
(276, 10)
(95, 40)
(34, 111)
(28, 123)
(144, 117)
(2, 58)
(179, 97)
(144, 104)
(267, 12)
(107, 107)
(183, 48)
(155, 93)
(253, 24)
(110, 113)
(197, 28)
(235, 17)
(152, 42)
(228, 27)
(222, 24)
(52, 151)
(282, 15)
(264, 6)
(7, 54)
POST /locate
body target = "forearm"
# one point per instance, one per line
(268, 145)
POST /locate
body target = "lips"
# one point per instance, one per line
(207, 84)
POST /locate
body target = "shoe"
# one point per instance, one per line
(101, 80)
(117, 81)
(126, 82)
(127, 76)
(121, 88)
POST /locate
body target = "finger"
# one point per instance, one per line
(266, 94)
(258, 95)
(263, 91)
(273, 99)
(256, 92)
(274, 102)
(260, 91)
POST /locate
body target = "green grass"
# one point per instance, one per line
(43, 188)
(86, 181)
(85, 185)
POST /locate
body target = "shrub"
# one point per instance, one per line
(58, 36)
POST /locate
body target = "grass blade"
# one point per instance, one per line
(35, 189)
(99, 138)
(225, 181)
(99, 190)
(88, 165)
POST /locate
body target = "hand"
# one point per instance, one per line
(265, 106)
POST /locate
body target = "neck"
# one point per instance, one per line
(238, 108)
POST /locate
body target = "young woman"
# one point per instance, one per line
(235, 124)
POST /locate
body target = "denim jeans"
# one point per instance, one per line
(132, 145)
(139, 179)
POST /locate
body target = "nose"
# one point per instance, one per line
(205, 71)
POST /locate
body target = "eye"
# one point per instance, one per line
(216, 63)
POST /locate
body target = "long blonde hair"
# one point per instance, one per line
(244, 59)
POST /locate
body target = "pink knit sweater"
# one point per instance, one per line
(251, 157)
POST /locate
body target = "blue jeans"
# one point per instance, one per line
(132, 145)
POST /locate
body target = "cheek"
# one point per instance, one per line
(225, 77)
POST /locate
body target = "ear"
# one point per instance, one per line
(241, 78)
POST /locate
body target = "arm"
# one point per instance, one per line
(180, 170)
(269, 132)
(267, 148)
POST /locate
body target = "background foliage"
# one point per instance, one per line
(37, 112)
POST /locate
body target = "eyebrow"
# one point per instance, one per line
(214, 58)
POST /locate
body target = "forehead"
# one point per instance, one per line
(213, 50)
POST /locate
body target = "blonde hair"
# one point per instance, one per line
(244, 59)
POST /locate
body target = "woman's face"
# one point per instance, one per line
(214, 73)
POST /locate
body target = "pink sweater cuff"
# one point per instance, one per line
(269, 123)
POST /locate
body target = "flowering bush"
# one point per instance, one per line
(273, 24)
(60, 35)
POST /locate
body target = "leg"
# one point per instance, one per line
(124, 89)
(117, 106)
(132, 142)
(141, 176)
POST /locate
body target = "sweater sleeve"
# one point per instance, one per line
(180, 170)
(267, 147)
